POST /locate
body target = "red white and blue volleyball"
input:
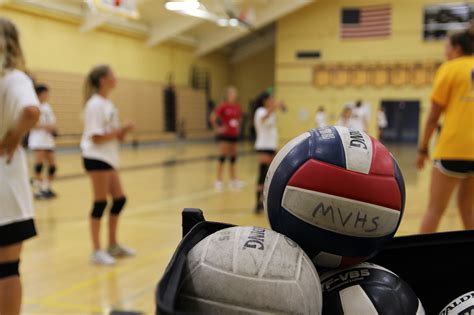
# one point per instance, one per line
(337, 192)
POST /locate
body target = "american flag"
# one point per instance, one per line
(366, 22)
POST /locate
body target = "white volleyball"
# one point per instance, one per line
(249, 270)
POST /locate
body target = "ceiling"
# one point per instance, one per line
(160, 25)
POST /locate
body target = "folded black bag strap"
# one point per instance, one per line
(191, 217)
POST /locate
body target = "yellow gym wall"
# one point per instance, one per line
(57, 45)
(59, 54)
(316, 27)
(253, 75)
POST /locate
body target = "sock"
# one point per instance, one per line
(45, 185)
(37, 186)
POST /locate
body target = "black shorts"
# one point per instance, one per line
(456, 168)
(230, 139)
(270, 152)
(96, 165)
(17, 232)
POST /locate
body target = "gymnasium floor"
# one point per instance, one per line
(159, 181)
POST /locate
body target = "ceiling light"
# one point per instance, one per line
(182, 5)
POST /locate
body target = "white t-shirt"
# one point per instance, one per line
(41, 139)
(382, 120)
(320, 120)
(267, 131)
(16, 202)
(349, 123)
(360, 116)
(100, 117)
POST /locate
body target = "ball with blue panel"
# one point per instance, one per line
(337, 192)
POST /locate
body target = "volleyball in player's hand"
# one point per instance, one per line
(337, 192)
(248, 270)
(368, 289)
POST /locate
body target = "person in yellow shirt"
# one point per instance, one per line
(452, 96)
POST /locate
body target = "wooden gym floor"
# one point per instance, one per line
(159, 182)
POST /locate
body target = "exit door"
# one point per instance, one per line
(403, 117)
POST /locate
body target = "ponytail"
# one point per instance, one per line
(11, 55)
(261, 99)
(464, 40)
(92, 83)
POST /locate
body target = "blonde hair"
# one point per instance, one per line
(228, 89)
(92, 83)
(11, 55)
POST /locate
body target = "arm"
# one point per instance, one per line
(430, 126)
(99, 139)
(213, 120)
(116, 134)
(27, 120)
(268, 114)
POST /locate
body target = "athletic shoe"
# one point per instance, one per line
(101, 257)
(236, 184)
(218, 185)
(40, 195)
(121, 251)
(50, 194)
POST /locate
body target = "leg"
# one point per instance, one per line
(100, 184)
(232, 152)
(466, 202)
(118, 203)
(441, 188)
(51, 158)
(39, 160)
(10, 284)
(38, 168)
(264, 160)
(223, 148)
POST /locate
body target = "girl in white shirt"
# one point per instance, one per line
(100, 152)
(360, 116)
(41, 142)
(18, 114)
(346, 119)
(320, 118)
(266, 144)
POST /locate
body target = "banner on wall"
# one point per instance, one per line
(441, 19)
(379, 74)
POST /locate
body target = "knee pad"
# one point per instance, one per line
(233, 159)
(98, 209)
(262, 173)
(52, 170)
(38, 168)
(9, 269)
(118, 205)
(222, 158)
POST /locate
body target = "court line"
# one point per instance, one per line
(65, 306)
(165, 163)
(168, 202)
(122, 270)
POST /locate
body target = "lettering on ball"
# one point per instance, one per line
(457, 302)
(342, 217)
(357, 139)
(256, 239)
(345, 278)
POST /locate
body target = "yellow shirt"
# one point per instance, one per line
(454, 90)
